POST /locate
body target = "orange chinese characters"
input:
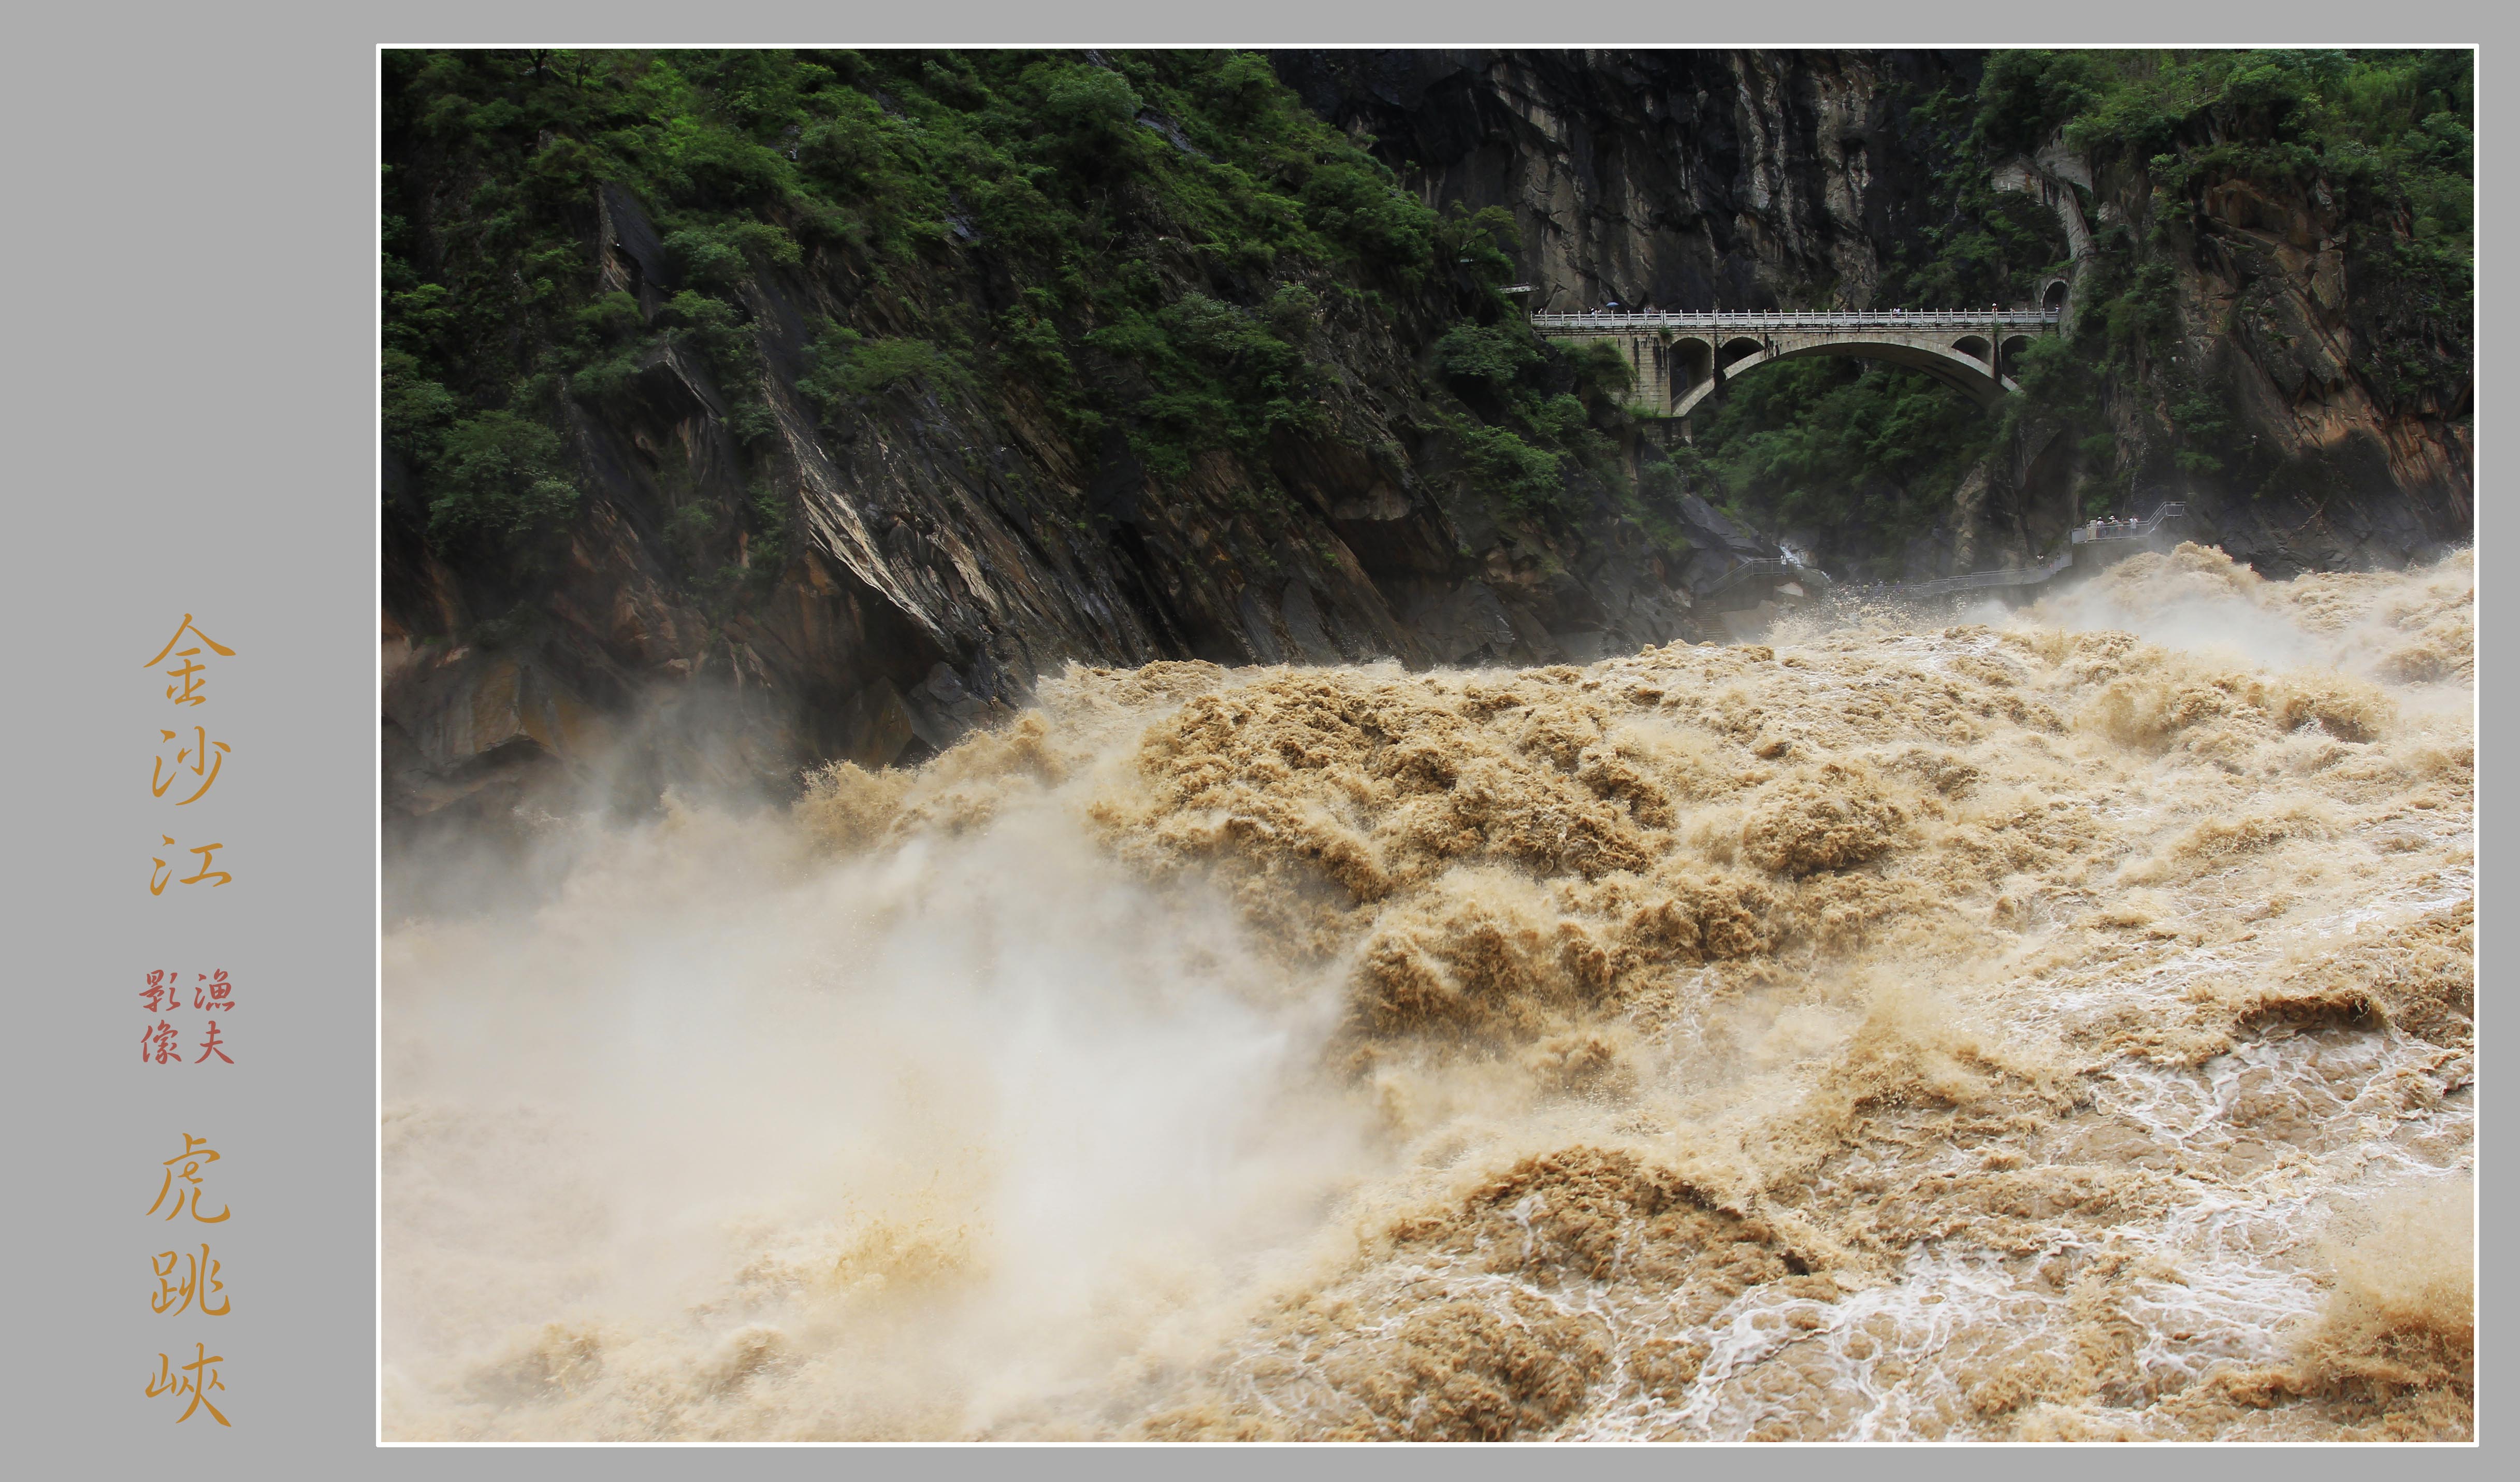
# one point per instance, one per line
(198, 1284)
(203, 873)
(186, 671)
(184, 1177)
(210, 1045)
(202, 758)
(197, 1380)
(162, 994)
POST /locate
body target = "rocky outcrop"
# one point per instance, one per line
(949, 550)
(1751, 180)
(1684, 179)
(2321, 468)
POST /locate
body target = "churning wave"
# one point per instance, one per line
(2054, 1025)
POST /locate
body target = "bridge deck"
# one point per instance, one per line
(1870, 319)
(1680, 357)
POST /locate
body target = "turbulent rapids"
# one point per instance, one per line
(2046, 1024)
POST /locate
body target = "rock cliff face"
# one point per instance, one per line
(1753, 180)
(2326, 470)
(953, 547)
(1695, 179)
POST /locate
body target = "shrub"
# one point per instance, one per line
(720, 257)
(715, 166)
(845, 364)
(498, 475)
(1530, 481)
(880, 365)
(1090, 100)
(1480, 241)
(1292, 313)
(1351, 205)
(1092, 113)
(2024, 95)
(709, 327)
(414, 406)
(1602, 373)
(1498, 354)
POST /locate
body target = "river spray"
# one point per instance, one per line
(2040, 1024)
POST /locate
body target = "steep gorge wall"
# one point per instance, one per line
(1695, 179)
(951, 540)
(1754, 180)
(2324, 468)
(952, 543)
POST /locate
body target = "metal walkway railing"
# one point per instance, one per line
(1944, 586)
(1761, 565)
(2097, 530)
(2128, 529)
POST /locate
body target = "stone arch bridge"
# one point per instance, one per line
(1679, 359)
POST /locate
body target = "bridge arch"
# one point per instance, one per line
(1692, 359)
(1971, 375)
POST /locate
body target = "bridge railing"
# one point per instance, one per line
(1755, 323)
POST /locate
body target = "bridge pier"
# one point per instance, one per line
(1647, 353)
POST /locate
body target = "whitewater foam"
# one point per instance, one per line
(2026, 1028)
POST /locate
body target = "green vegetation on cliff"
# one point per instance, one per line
(2197, 157)
(1828, 444)
(2381, 141)
(1146, 245)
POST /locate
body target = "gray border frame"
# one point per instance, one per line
(196, 262)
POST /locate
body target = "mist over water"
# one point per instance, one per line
(2051, 1023)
